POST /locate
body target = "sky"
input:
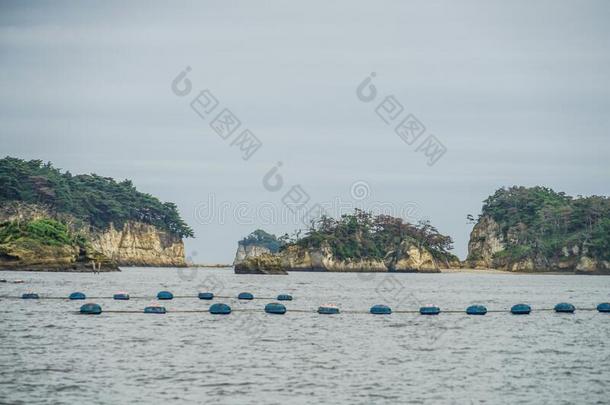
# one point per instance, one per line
(513, 93)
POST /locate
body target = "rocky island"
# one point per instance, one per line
(359, 242)
(520, 229)
(55, 221)
(537, 229)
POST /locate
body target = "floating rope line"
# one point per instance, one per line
(315, 311)
(219, 308)
(141, 297)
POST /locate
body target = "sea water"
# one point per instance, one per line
(51, 354)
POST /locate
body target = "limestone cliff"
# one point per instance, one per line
(139, 244)
(407, 258)
(485, 241)
(488, 247)
(358, 242)
(135, 244)
(411, 258)
(245, 251)
(39, 257)
(296, 258)
(263, 263)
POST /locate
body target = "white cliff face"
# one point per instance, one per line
(485, 240)
(135, 244)
(295, 258)
(139, 244)
(248, 251)
(411, 258)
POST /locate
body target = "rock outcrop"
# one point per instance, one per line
(40, 257)
(488, 246)
(407, 258)
(264, 263)
(485, 241)
(247, 251)
(295, 258)
(411, 258)
(139, 244)
(135, 244)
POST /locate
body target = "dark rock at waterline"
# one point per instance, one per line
(265, 263)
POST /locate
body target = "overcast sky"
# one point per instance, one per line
(517, 92)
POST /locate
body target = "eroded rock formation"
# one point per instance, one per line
(135, 244)
(408, 258)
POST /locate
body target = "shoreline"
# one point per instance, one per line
(231, 267)
(498, 271)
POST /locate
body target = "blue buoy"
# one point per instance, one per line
(520, 309)
(77, 296)
(328, 310)
(121, 296)
(275, 308)
(206, 296)
(165, 295)
(155, 309)
(91, 309)
(604, 307)
(220, 309)
(30, 296)
(565, 307)
(381, 309)
(284, 297)
(429, 310)
(245, 296)
(476, 310)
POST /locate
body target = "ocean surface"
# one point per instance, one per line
(49, 354)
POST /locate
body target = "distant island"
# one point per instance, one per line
(55, 221)
(354, 242)
(538, 229)
(519, 230)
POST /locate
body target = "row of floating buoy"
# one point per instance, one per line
(167, 295)
(329, 309)
(215, 309)
(518, 309)
(161, 295)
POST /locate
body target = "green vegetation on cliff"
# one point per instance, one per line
(262, 238)
(41, 231)
(364, 236)
(45, 244)
(539, 222)
(98, 200)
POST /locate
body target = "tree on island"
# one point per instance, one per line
(262, 238)
(539, 222)
(98, 200)
(362, 235)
